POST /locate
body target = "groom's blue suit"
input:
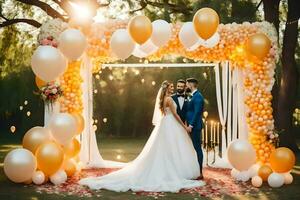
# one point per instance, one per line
(194, 119)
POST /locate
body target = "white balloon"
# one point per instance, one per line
(256, 181)
(48, 63)
(59, 177)
(276, 180)
(241, 154)
(72, 43)
(63, 127)
(38, 177)
(137, 52)
(19, 165)
(121, 44)
(161, 33)
(253, 170)
(212, 41)
(288, 178)
(188, 36)
(234, 173)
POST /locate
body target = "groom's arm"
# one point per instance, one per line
(198, 105)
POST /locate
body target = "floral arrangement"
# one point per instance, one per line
(50, 31)
(50, 92)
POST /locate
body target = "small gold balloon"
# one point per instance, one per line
(79, 122)
(206, 22)
(39, 82)
(69, 167)
(50, 157)
(72, 148)
(36, 136)
(140, 29)
(258, 45)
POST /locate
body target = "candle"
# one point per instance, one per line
(211, 130)
(206, 134)
(218, 133)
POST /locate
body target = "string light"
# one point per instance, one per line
(97, 76)
(104, 120)
(21, 107)
(137, 72)
(96, 121)
(12, 129)
(25, 102)
(111, 77)
(95, 127)
(143, 80)
(95, 91)
(28, 113)
(153, 83)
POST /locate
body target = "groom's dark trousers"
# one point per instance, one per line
(194, 119)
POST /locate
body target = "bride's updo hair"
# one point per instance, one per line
(164, 90)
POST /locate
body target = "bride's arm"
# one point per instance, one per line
(174, 112)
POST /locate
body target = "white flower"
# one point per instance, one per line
(54, 91)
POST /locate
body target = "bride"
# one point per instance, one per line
(168, 161)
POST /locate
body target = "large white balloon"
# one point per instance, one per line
(72, 43)
(188, 37)
(145, 49)
(121, 44)
(241, 154)
(19, 165)
(161, 33)
(63, 127)
(38, 177)
(59, 177)
(48, 63)
(211, 42)
(276, 180)
(243, 176)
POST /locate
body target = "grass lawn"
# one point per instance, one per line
(126, 150)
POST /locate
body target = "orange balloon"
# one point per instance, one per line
(72, 148)
(258, 45)
(34, 137)
(206, 22)
(39, 82)
(69, 167)
(79, 122)
(140, 29)
(264, 172)
(50, 157)
(282, 160)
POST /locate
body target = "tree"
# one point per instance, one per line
(287, 88)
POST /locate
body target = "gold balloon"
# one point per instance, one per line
(140, 29)
(34, 137)
(206, 22)
(69, 167)
(72, 148)
(39, 82)
(50, 157)
(264, 172)
(79, 122)
(258, 45)
(282, 160)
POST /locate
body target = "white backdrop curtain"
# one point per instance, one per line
(231, 107)
(89, 153)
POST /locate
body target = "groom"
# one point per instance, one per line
(194, 118)
(180, 99)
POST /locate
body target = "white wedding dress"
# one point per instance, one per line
(167, 163)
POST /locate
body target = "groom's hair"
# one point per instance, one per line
(192, 80)
(181, 81)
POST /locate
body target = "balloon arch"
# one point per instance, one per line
(244, 55)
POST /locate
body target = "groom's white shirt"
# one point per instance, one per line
(181, 101)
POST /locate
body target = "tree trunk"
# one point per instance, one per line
(271, 14)
(289, 77)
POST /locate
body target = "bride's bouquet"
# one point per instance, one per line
(50, 93)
